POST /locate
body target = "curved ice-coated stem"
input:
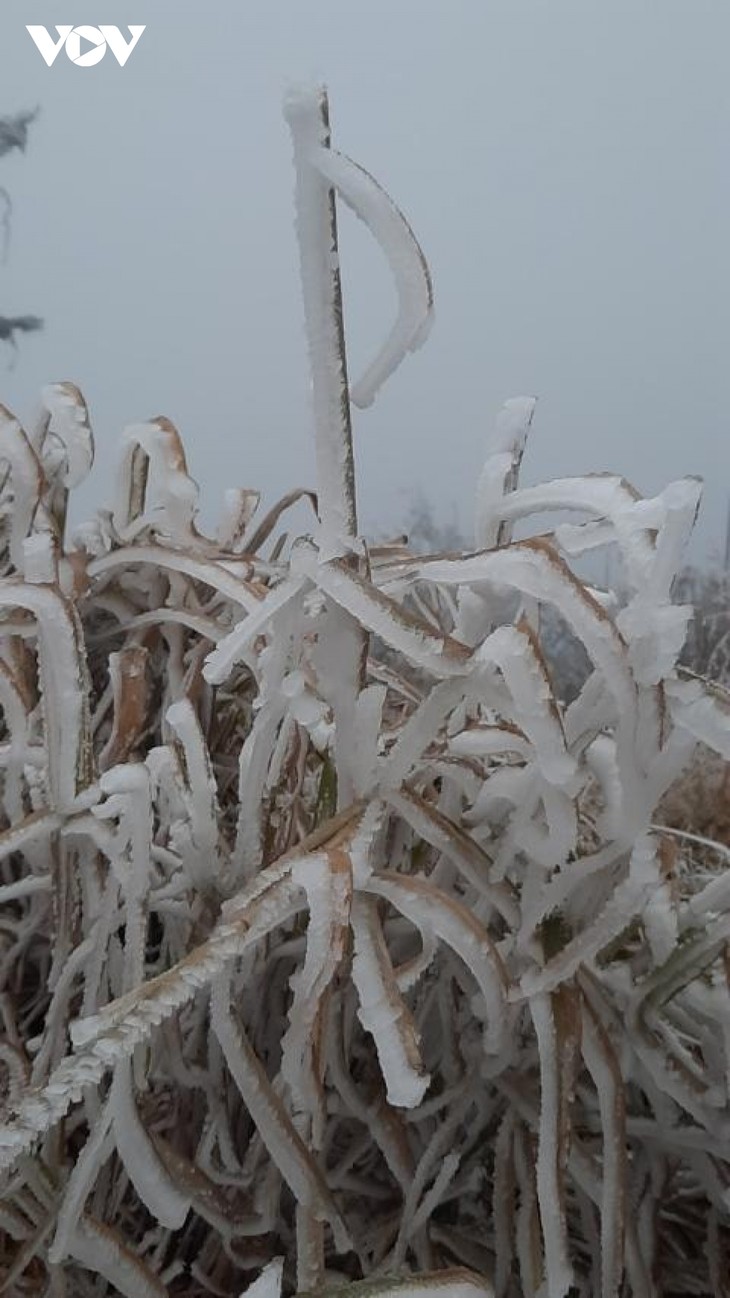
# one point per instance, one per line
(403, 253)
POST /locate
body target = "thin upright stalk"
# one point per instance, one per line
(307, 113)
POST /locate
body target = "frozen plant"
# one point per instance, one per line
(337, 954)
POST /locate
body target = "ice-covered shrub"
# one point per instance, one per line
(334, 946)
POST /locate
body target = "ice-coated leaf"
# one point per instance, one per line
(129, 804)
(146, 1170)
(26, 481)
(501, 470)
(99, 1248)
(201, 796)
(459, 846)
(455, 1282)
(625, 901)
(515, 652)
(128, 679)
(68, 422)
(115, 1031)
(430, 909)
(436, 653)
(97, 1149)
(268, 1284)
(503, 1202)
(407, 263)
(238, 510)
(153, 465)
(383, 1012)
(64, 681)
(286, 1147)
(254, 538)
(702, 710)
(327, 882)
(604, 1068)
(232, 647)
(528, 1237)
(557, 1027)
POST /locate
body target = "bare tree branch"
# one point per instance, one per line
(14, 131)
(13, 135)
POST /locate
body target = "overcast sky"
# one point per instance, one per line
(564, 164)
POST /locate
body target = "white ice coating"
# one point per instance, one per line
(305, 706)
(129, 799)
(625, 902)
(216, 575)
(602, 495)
(68, 419)
(439, 1284)
(382, 1011)
(336, 658)
(534, 570)
(150, 1178)
(301, 1173)
(659, 916)
(552, 1211)
(268, 1284)
(306, 114)
(173, 512)
(384, 617)
(230, 650)
(100, 1251)
(328, 895)
(601, 760)
(486, 740)
(201, 795)
(434, 827)
(513, 652)
(705, 716)
(239, 506)
(651, 534)
(94, 1154)
(604, 1069)
(26, 480)
(369, 725)
(63, 685)
(655, 633)
(407, 263)
(39, 558)
(431, 910)
(321, 172)
(499, 475)
(367, 840)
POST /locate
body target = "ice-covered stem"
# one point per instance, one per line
(307, 112)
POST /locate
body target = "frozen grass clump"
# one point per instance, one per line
(337, 954)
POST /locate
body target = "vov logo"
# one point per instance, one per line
(85, 46)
